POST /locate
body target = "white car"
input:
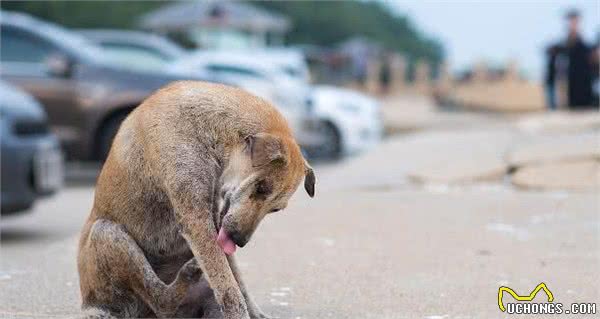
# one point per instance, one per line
(135, 49)
(348, 121)
(291, 61)
(335, 121)
(261, 78)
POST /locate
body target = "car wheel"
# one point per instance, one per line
(331, 148)
(109, 131)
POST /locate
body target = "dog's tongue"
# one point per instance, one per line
(225, 242)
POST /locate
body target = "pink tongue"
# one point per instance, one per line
(225, 242)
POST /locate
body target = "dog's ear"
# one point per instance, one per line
(265, 149)
(309, 179)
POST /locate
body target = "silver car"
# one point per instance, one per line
(136, 49)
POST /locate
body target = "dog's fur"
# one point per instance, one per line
(193, 159)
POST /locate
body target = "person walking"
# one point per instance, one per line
(385, 73)
(579, 75)
(595, 65)
(550, 77)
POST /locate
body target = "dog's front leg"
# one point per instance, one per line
(253, 308)
(188, 171)
(199, 231)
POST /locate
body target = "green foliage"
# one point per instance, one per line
(85, 14)
(314, 22)
(330, 22)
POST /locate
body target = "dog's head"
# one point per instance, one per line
(259, 179)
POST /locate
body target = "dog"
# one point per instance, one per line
(191, 173)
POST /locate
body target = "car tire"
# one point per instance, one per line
(331, 149)
(107, 135)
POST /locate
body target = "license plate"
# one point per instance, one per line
(48, 171)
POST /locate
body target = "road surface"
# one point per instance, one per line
(373, 243)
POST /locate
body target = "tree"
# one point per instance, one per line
(85, 14)
(313, 22)
(329, 22)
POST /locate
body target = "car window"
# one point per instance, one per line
(136, 58)
(232, 69)
(137, 49)
(291, 71)
(18, 46)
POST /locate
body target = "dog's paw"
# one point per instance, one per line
(256, 313)
(191, 271)
(261, 315)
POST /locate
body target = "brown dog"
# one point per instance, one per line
(191, 173)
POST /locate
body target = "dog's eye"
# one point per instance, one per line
(263, 188)
(275, 210)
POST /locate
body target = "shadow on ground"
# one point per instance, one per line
(9, 235)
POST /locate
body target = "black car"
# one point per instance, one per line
(31, 159)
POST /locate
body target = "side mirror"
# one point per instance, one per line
(59, 65)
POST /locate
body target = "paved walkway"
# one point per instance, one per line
(375, 242)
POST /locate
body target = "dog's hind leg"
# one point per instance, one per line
(119, 265)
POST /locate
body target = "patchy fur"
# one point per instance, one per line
(193, 158)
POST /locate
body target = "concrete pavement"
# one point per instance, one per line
(373, 243)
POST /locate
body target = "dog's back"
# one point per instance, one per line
(128, 190)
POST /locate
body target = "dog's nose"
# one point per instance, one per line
(238, 238)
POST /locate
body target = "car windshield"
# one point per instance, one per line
(135, 57)
(71, 41)
(289, 73)
(225, 69)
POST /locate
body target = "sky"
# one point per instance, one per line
(497, 31)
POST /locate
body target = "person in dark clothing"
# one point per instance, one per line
(579, 73)
(385, 73)
(550, 78)
(595, 63)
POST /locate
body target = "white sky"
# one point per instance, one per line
(496, 31)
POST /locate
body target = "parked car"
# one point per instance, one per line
(342, 121)
(142, 50)
(131, 47)
(325, 126)
(31, 160)
(262, 78)
(289, 60)
(85, 94)
(350, 122)
(242, 73)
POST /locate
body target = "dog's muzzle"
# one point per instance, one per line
(230, 227)
(239, 239)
